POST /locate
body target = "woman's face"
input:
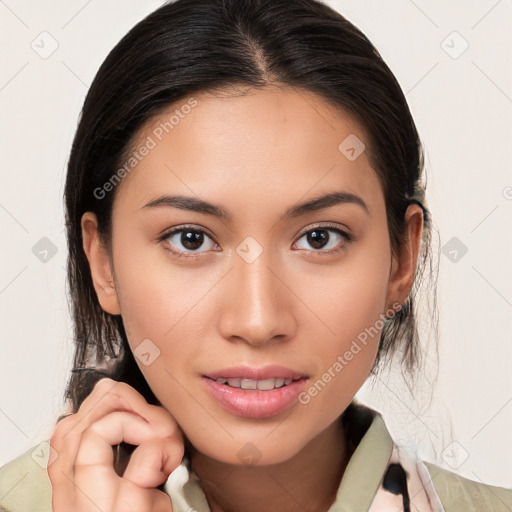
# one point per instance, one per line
(259, 286)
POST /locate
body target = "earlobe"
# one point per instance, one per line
(99, 263)
(404, 267)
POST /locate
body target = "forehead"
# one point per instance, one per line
(268, 144)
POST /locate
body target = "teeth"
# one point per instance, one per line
(279, 383)
(234, 383)
(263, 385)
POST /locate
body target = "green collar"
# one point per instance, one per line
(358, 486)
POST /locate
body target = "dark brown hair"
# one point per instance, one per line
(192, 46)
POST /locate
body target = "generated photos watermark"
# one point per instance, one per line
(344, 359)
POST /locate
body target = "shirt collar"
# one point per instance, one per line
(373, 446)
(365, 469)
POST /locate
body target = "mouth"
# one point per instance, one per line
(255, 392)
(251, 378)
(254, 384)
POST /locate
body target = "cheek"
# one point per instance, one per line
(166, 304)
(155, 294)
(351, 295)
(350, 306)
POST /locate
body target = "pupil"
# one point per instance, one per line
(318, 238)
(192, 239)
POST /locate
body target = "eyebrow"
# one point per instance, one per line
(200, 206)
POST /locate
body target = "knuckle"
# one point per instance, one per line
(103, 385)
(109, 392)
(113, 400)
(61, 428)
(126, 390)
(113, 390)
(166, 421)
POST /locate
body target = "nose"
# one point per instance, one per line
(257, 307)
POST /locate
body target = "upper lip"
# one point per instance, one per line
(248, 372)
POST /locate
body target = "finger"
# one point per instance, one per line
(63, 496)
(99, 490)
(96, 442)
(61, 475)
(66, 437)
(153, 461)
(95, 480)
(132, 497)
(108, 396)
(92, 472)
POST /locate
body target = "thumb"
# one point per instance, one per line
(153, 461)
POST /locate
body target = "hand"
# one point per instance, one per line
(83, 476)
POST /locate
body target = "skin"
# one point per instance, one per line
(296, 305)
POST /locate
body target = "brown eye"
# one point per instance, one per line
(191, 240)
(188, 240)
(324, 239)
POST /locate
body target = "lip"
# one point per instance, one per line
(255, 403)
(248, 372)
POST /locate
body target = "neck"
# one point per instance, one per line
(308, 481)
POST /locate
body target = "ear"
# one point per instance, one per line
(403, 267)
(99, 263)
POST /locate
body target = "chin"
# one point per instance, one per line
(246, 453)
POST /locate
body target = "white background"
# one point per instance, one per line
(463, 110)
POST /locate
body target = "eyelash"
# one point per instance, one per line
(327, 227)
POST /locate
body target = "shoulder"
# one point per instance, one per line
(24, 482)
(458, 493)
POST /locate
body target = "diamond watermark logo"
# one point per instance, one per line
(454, 249)
(249, 250)
(454, 45)
(44, 250)
(146, 352)
(44, 454)
(249, 454)
(352, 147)
(45, 45)
(454, 455)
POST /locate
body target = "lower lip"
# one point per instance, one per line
(255, 403)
